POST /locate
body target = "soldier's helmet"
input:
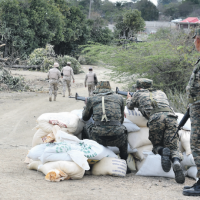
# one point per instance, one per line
(196, 33)
(103, 85)
(68, 63)
(144, 83)
(56, 64)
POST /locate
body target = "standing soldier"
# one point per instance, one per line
(91, 80)
(53, 76)
(66, 74)
(162, 123)
(193, 92)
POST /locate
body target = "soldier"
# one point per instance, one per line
(193, 93)
(53, 75)
(162, 123)
(66, 74)
(107, 111)
(91, 80)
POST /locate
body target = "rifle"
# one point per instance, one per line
(77, 97)
(122, 92)
(182, 123)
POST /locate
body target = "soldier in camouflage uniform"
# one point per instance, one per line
(162, 123)
(53, 76)
(107, 111)
(67, 73)
(193, 93)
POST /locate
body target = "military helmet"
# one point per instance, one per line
(56, 64)
(103, 85)
(68, 63)
(144, 83)
(196, 33)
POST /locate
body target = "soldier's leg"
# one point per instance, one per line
(89, 90)
(69, 87)
(50, 90)
(64, 83)
(55, 89)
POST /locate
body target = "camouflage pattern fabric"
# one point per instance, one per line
(162, 127)
(143, 83)
(91, 88)
(66, 83)
(53, 87)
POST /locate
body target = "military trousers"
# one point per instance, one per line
(53, 87)
(195, 134)
(91, 88)
(119, 141)
(66, 83)
(162, 127)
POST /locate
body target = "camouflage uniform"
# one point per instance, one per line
(162, 123)
(89, 78)
(106, 134)
(193, 93)
(53, 76)
(67, 73)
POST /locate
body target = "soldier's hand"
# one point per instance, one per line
(85, 86)
(73, 81)
(124, 114)
(128, 95)
(61, 76)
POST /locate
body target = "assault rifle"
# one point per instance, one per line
(122, 92)
(77, 97)
(182, 123)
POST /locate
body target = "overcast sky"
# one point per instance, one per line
(154, 1)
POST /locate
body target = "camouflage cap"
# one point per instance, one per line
(103, 85)
(143, 83)
(197, 32)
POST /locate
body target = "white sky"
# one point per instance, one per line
(154, 1)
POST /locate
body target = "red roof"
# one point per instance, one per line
(191, 20)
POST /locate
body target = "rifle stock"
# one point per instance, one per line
(123, 92)
(182, 123)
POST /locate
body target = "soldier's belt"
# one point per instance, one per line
(194, 99)
(157, 110)
(108, 123)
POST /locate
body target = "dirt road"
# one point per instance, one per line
(18, 114)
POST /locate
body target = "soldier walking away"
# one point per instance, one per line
(53, 76)
(162, 123)
(107, 112)
(67, 73)
(91, 80)
(193, 93)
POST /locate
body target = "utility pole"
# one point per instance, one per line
(90, 8)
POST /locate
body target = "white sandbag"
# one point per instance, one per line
(64, 119)
(77, 112)
(139, 138)
(187, 125)
(140, 154)
(79, 128)
(37, 138)
(136, 117)
(131, 163)
(70, 168)
(188, 160)
(152, 167)
(185, 141)
(130, 126)
(192, 172)
(116, 149)
(180, 147)
(110, 166)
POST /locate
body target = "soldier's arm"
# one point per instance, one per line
(59, 74)
(130, 103)
(48, 75)
(96, 77)
(88, 110)
(85, 79)
(122, 111)
(72, 74)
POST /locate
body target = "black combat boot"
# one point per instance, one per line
(193, 190)
(165, 159)
(178, 171)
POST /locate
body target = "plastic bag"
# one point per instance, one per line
(187, 125)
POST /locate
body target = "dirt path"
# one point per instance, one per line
(18, 114)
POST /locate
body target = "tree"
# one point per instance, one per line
(148, 10)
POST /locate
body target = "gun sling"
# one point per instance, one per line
(194, 99)
(108, 123)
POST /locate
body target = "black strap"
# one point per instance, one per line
(108, 123)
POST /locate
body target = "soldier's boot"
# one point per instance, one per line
(178, 171)
(165, 159)
(69, 93)
(192, 190)
(54, 98)
(50, 99)
(63, 94)
(125, 156)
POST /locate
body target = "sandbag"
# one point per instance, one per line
(185, 141)
(116, 149)
(37, 138)
(141, 150)
(77, 112)
(192, 172)
(66, 120)
(136, 117)
(180, 147)
(152, 167)
(187, 125)
(110, 166)
(70, 168)
(131, 163)
(188, 160)
(130, 126)
(139, 138)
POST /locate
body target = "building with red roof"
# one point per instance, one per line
(187, 23)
